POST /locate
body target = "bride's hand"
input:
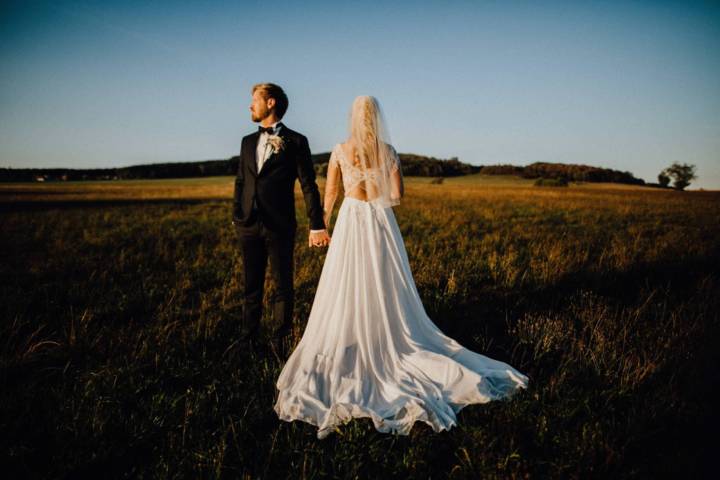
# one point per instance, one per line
(318, 239)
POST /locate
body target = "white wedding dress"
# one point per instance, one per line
(369, 348)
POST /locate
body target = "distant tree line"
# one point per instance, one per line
(412, 165)
(578, 173)
(206, 168)
(415, 165)
(422, 166)
(503, 169)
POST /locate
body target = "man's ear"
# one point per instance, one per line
(270, 103)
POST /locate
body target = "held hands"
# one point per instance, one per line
(318, 239)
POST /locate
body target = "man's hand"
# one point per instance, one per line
(318, 239)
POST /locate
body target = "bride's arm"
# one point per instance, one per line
(332, 186)
(397, 184)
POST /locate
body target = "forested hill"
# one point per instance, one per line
(412, 165)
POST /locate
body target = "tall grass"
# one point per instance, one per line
(119, 350)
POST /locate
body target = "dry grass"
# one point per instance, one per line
(119, 351)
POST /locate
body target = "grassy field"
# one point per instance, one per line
(121, 303)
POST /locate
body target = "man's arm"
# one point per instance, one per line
(306, 174)
(239, 182)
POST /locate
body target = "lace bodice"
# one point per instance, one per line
(352, 175)
(356, 180)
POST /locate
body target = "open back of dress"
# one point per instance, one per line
(358, 183)
(381, 184)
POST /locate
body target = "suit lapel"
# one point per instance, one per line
(253, 153)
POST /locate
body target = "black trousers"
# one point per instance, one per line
(258, 246)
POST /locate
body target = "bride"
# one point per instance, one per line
(369, 348)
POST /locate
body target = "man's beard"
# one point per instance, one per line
(256, 118)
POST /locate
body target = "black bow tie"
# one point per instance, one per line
(269, 130)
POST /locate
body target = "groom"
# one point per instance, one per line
(271, 159)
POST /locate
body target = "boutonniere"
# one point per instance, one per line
(276, 142)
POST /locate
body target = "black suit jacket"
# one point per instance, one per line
(272, 191)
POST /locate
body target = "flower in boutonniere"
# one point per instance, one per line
(276, 142)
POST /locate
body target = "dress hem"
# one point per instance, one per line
(341, 413)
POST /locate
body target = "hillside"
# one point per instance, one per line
(412, 165)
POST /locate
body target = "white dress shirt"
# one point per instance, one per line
(264, 150)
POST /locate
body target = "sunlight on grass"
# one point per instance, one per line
(122, 304)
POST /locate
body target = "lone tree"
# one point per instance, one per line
(682, 175)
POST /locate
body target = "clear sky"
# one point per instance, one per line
(626, 85)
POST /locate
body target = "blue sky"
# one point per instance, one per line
(626, 85)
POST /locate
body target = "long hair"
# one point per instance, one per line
(364, 130)
(370, 136)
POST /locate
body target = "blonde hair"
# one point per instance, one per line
(270, 90)
(364, 133)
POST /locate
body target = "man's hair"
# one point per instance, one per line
(270, 90)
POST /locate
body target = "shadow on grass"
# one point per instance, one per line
(25, 205)
(488, 316)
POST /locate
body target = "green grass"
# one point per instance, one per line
(119, 351)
